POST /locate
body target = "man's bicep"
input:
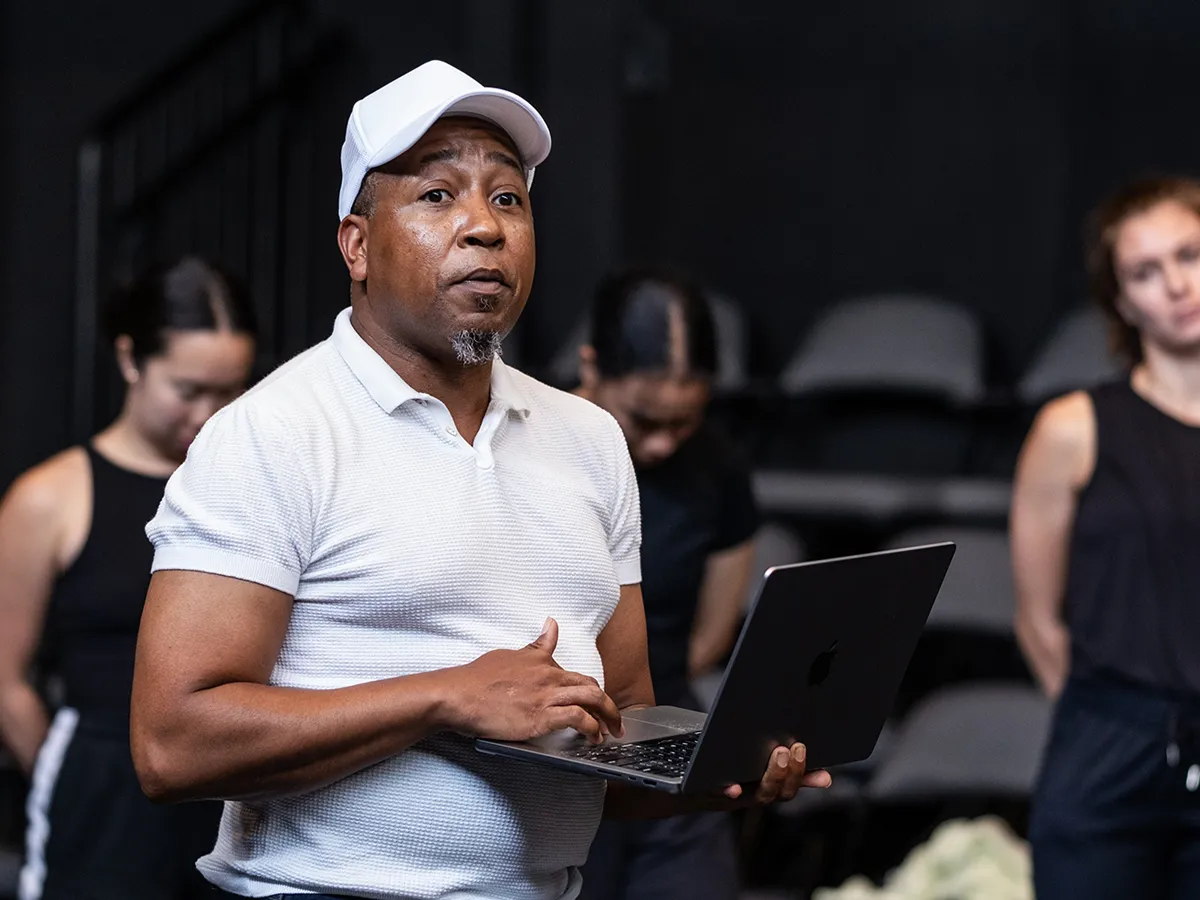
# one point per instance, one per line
(201, 630)
(622, 646)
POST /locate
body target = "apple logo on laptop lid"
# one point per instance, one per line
(818, 672)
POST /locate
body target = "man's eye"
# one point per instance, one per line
(508, 198)
(437, 195)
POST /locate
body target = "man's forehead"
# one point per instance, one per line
(460, 133)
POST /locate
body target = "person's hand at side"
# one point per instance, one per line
(515, 695)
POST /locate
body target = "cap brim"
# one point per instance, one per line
(519, 120)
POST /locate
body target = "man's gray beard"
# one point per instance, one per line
(475, 347)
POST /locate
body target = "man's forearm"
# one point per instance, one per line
(243, 740)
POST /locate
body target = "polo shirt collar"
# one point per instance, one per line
(391, 391)
(505, 392)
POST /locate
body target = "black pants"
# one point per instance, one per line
(1115, 813)
(682, 858)
(93, 835)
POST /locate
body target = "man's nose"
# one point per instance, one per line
(481, 226)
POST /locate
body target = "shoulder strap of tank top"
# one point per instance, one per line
(98, 467)
(1109, 393)
(105, 473)
(94, 458)
(1111, 402)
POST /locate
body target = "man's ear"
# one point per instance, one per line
(353, 233)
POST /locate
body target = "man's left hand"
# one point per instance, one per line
(784, 777)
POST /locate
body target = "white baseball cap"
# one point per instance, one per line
(387, 122)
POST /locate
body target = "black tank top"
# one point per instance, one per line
(1133, 585)
(97, 604)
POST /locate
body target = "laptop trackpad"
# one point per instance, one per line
(640, 725)
(663, 720)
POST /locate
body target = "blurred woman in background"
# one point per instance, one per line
(74, 569)
(651, 364)
(1106, 549)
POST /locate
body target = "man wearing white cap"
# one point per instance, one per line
(349, 544)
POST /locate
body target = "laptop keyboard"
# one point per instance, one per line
(662, 756)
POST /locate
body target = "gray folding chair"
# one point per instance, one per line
(1076, 356)
(732, 343)
(879, 499)
(972, 740)
(775, 544)
(977, 594)
(913, 344)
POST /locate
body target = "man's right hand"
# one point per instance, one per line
(514, 695)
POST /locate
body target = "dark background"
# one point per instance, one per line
(792, 154)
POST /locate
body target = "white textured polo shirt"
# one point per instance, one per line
(407, 550)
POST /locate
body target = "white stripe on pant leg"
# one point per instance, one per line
(37, 807)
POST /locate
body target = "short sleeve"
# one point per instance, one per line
(239, 505)
(625, 523)
(739, 518)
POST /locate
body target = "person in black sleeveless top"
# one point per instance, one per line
(651, 364)
(1105, 536)
(74, 569)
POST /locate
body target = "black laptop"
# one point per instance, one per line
(819, 660)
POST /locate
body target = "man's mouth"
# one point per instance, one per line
(487, 279)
